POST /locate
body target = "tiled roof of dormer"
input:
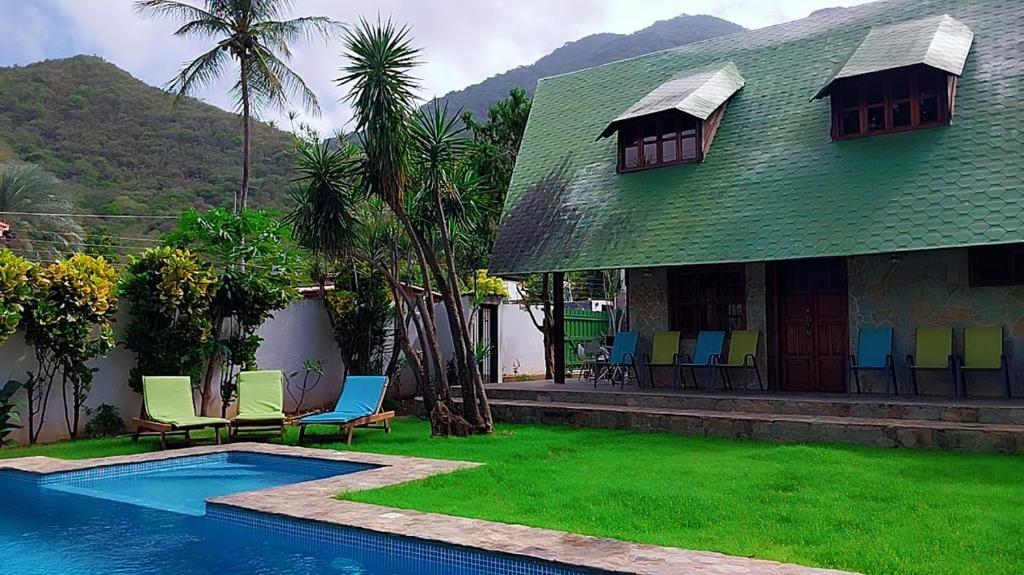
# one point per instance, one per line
(941, 42)
(697, 94)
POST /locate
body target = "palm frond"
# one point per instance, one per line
(199, 73)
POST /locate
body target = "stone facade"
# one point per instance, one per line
(931, 289)
(904, 291)
(648, 313)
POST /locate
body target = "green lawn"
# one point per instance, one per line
(862, 509)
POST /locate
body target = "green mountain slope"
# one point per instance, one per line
(122, 148)
(589, 51)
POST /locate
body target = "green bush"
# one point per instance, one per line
(15, 291)
(169, 291)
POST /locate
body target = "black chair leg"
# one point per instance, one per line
(760, 382)
(856, 379)
(1006, 380)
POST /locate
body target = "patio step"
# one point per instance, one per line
(784, 428)
(994, 411)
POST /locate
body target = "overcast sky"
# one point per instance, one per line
(463, 41)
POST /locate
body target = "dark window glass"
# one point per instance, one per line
(632, 157)
(890, 101)
(706, 298)
(669, 149)
(851, 121)
(996, 265)
(900, 114)
(876, 118)
(666, 140)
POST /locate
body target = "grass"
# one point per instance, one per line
(863, 509)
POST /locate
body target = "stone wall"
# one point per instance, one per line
(931, 289)
(648, 313)
(905, 292)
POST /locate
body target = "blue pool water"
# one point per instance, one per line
(151, 518)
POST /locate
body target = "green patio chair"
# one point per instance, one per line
(168, 408)
(983, 351)
(665, 353)
(933, 352)
(260, 404)
(742, 355)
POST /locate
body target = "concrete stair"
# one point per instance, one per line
(966, 425)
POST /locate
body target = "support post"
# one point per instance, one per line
(558, 329)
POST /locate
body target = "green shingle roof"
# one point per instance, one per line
(775, 185)
(937, 41)
(698, 94)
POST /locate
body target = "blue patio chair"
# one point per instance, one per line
(874, 353)
(358, 405)
(622, 358)
(706, 354)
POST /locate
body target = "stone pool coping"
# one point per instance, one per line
(315, 501)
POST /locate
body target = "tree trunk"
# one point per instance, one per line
(243, 195)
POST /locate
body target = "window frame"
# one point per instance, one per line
(1008, 252)
(913, 74)
(675, 278)
(637, 124)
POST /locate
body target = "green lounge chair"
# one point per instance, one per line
(168, 408)
(742, 355)
(665, 353)
(933, 352)
(983, 351)
(359, 405)
(260, 403)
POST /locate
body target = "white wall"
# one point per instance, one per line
(300, 332)
(520, 343)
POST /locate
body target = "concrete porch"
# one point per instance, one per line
(790, 417)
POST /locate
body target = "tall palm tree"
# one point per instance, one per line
(251, 33)
(32, 204)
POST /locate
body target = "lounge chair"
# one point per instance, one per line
(260, 404)
(874, 353)
(359, 405)
(742, 355)
(665, 353)
(622, 358)
(983, 351)
(933, 352)
(168, 408)
(706, 354)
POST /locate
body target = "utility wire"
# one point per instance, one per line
(99, 216)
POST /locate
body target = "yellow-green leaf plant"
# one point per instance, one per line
(69, 322)
(15, 291)
(168, 292)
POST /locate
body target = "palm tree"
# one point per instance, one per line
(32, 204)
(397, 164)
(252, 34)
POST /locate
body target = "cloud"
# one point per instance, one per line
(463, 41)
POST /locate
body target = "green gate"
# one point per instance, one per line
(581, 326)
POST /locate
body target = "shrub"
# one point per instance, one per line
(15, 291)
(169, 291)
(69, 322)
(105, 421)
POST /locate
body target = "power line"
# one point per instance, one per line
(98, 216)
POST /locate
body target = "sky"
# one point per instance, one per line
(463, 41)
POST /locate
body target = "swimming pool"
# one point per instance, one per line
(151, 518)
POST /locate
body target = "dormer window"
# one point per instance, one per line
(901, 77)
(662, 140)
(676, 122)
(891, 102)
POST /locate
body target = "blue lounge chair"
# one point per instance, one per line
(874, 353)
(623, 358)
(706, 354)
(359, 405)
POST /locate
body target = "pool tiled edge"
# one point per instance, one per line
(314, 506)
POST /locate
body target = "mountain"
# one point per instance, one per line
(121, 147)
(589, 51)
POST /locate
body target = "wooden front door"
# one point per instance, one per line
(813, 332)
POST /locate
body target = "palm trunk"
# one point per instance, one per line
(243, 195)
